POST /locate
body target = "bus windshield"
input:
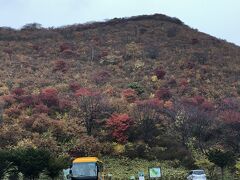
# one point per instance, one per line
(84, 169)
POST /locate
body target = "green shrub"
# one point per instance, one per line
(138, 88)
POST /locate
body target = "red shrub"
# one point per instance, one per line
(65, 46)
(230, 103)
(130, 95)
(29, 100)
(230, 116)
(199, 99)
(18, 91)
(119, 125)
(64, 105)
(153, 103)
(41, 108)
(164, 94)
(83, 92)
(160, 73)
(60, 65)
(49, 92)
(189, 101)
(74, 86)
(49, 96)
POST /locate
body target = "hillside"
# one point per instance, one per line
(138, 87)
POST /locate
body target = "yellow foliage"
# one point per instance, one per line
(152, 95)
(133, 49)
(36, 91)
(138, 64)
(154, 78)
(4, 90)
(26, 143)
(118, 148)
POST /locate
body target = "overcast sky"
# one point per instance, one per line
(219, 18)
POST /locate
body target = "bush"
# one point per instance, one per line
(119, 125)
(130, 95)
(41, 108)
(160, 73)
(49, 96)
(29, 100)
(18, 91)
(163, 94)
(139, 89)
(60, 65)
(137, 150)
(64, 105)
(83, 92)
(74, 86)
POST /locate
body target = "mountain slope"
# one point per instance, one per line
(147, 87)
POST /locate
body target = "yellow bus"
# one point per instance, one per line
(87, 168)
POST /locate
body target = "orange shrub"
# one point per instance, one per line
(130, 95)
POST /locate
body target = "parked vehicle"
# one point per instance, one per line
(198, 174)
(86, 168)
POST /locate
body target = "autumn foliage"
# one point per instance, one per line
(119, 125)
(130, 95)
(49, 96)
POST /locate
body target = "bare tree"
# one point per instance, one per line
(193, 121)
(92, 107)
(146, 115)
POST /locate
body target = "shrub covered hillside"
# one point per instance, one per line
(145, 87)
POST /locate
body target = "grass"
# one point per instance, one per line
(124, 168)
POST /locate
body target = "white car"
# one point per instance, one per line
(197, 175)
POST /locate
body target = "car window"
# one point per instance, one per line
(198, 172)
